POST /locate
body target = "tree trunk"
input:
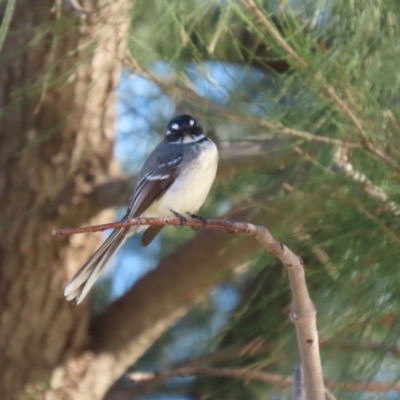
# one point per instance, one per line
(57, 81)
(57, 118)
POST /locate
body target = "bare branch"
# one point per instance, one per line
(125, 391)
(131, 324)
(303, 313)
(261, 376)
(253, 8)
(329, 89)
(175, 87)
(237, 373)
(258, 232)
(341, 162)
(357, 123)
(257, 347)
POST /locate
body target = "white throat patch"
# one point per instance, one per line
(189, 139)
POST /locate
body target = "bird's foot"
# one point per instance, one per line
(195, 216)
(181, 218)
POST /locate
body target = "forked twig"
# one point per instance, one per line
(303, 313)
(247, 374)
(174, 87)
(260, 16)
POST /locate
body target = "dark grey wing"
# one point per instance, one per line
(157, 175)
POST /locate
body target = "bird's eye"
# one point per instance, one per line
(173, 133)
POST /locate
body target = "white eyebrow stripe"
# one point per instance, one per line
(175, 126)
(188, 140)
(191, 122)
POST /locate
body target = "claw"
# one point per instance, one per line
(195, 216)
(181, 217)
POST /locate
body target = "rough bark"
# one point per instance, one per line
(55, 146)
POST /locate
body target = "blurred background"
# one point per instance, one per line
(302, 99)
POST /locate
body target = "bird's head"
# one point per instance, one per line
(184, 129)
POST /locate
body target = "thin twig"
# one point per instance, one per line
(253, 8)
(188, 93)
(6, 21)
(173, 87)
(356, 121)
(329, 89)
(298, 383)
(329, 395)
(214, 224)
(256, 347)
(303, 313)
(260, 376)
(342, 163)
(251, 349)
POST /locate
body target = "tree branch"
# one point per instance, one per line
(125, 391)
(187, 92)
(259, 15)
(303, 313)
(175, 87)
(260, 376)
(131, 324)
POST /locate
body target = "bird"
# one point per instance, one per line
(174, 180)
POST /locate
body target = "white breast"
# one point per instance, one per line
(189, 191)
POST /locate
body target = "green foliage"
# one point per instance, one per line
(5, 23)
(346, 232)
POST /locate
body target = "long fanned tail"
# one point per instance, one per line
(85, 278)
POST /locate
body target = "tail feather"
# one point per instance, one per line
(85, 278)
